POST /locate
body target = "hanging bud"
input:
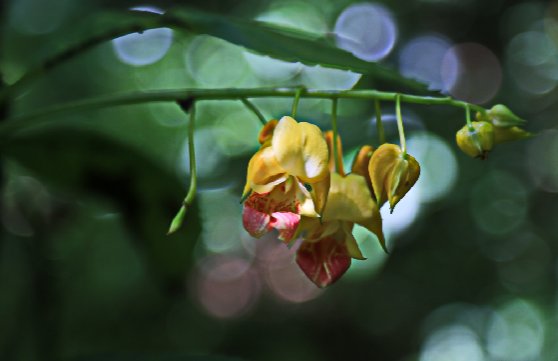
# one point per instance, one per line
(506, 135)
(360, 165)
(267, 131)
(393, 173)
(504, 118)
(477, 143)
(484, 117)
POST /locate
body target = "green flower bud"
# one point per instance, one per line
(477, 143)
(504, 118)
(506, 135)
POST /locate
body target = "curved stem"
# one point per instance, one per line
(338, 166)
(253, 108)
(179, 218)
(400, 125)
(468, 117)
(32, 118)
(295, 102)
(379, 124)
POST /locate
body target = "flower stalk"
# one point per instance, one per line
(179, 218)
(379, 124)
(334, 126)
(254, 109)
(296, 99)
(400, 125)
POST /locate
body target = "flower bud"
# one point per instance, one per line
(504, 118)
(477, 143)
(393, 173)
(360, 165)
(506, 135)
(267, 131)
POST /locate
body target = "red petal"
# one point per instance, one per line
(323, 262)
(286, 223)
(256, 223)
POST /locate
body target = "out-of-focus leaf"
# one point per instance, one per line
(283, 43)
(161, 357)
(85, 162)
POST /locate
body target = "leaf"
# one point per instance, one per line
(86, 162)
(282, 43)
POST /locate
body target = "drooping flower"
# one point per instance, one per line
(505, 123)
(478, 142)
(393, 173)
(292, 154)
(328, 247)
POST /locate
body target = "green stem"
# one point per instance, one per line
(468, 117)
(253, 108)
(32, 118)
(400, 125)
(338, 166)
(379, 124)
(295, 102)
(179, 218)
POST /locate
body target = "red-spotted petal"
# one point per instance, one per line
(255, 222)
(286, 223)
(323, 262)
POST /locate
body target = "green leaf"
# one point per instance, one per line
(283, 43)
(85, 162)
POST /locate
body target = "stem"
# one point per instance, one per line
(295, 102)
(334, 126)
(400, 125)
(468, 117)
(253, 108)
(379, 124)
(179, 218)
(31, 118)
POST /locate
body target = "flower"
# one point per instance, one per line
(478, 142)
(505, 124)
(393, 173)
(328, 247)
(292, 154)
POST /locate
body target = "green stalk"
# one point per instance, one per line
(334, 126)
(295, 102)
(468, 117)
(255, 110)
(32, 118)
(400, 125)
(379, 124)
(179, 218)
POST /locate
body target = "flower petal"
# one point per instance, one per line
(351, 243)
(374, 225)
(300, 149)
(286, 223)
(304, 201)
(262, 169)
(323, 262)
(380, 166)
(320, 191)
(255, 222)
(349, 199)
(360, 165)
(329, 140)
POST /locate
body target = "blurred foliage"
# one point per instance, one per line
(86, 268)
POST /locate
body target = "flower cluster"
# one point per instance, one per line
(294, 156)
(493, 127)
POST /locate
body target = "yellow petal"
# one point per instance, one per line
(263, 169)
(407, 172)
(320, 191)
(300, 150)
(316, 230)
(306, 207)
(381, 165)
(506, 135)
(351, 243)
(374, 225)
(477, 143)
(349, 199)
(267, 131)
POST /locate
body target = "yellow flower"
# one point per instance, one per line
(292, 154)
(328, 247)
(393, 174)
(477, 143)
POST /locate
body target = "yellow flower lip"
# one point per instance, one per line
(478, 142)
(393, 174)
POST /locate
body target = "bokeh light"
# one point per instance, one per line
(319, 77)
(455, 342)
(272, 69)
(146, 48)
(543, 162)
(471, 72)
(215, 63)
(516, 332)
(367, 30)
(227, 287)
(422, 57)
